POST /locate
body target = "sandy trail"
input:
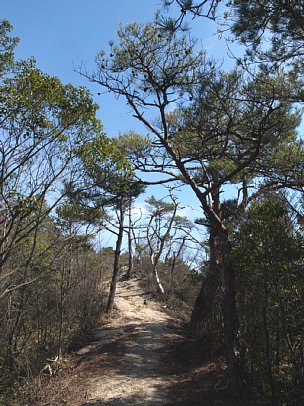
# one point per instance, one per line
(131, 351)
(126, 362)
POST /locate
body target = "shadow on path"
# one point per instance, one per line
(143, 357)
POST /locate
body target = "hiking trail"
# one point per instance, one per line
(139, 357)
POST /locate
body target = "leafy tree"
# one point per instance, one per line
(206, 9)
(7, 46)
(279, 22)
(106, 185)
(41, 122)
(54, 304)
(121, 203)
(269, 258)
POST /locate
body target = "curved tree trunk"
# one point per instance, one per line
(159, 287)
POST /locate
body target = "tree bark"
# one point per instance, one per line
(202, 310)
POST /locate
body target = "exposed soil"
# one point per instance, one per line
(141, 356)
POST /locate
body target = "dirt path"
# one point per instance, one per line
(140, 357)
(129, 353)
(125, 364)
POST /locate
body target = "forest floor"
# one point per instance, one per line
(141, 356)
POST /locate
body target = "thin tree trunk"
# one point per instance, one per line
(158, 284)
(176, 255)
(112, 292)
(130, 253)
(161, 240)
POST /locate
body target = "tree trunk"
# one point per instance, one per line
(176, 256)
(158, 284)
(202, 310)
(110, 303)
(130, 253)
(220, 263)
(235, 380)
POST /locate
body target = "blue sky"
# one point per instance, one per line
(61, 34)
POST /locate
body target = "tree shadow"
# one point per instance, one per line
(136, 350)
(201, 377)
